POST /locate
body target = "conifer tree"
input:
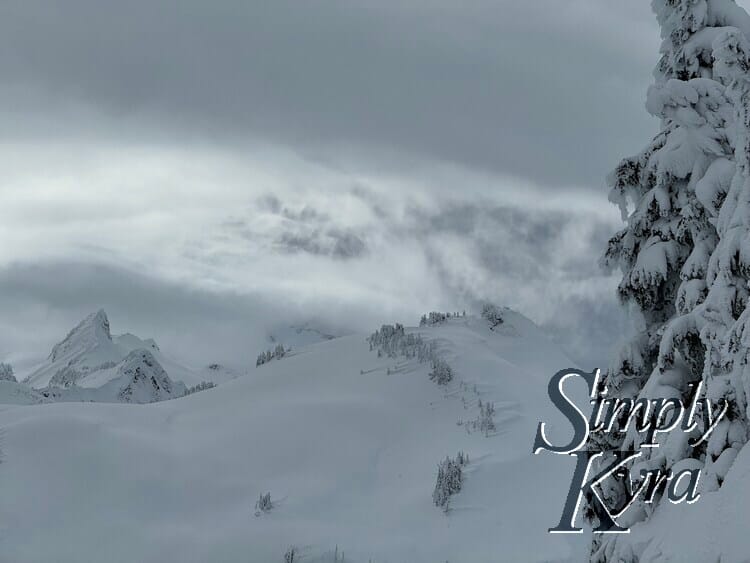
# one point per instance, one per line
(6, 372)
(684, 253)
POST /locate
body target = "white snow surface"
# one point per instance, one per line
(346, 443)
(714, 528)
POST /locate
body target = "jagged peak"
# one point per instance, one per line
(91, 330)
(97, 319)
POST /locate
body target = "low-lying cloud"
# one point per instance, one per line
(250, 237)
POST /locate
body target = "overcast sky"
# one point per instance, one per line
(204, 170)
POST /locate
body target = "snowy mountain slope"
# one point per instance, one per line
(346, 442)
(90, 356)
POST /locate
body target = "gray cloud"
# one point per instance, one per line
(544, 90)
(306, 230)
(195, 165)
(336, 243)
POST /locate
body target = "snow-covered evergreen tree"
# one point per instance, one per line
(277, 353)
(684, 253)
(434, 318)
(449, 480)
(485, 421)
(441, 373)
(263, 504)
(394, 341)
(6, 372)
(202, 386)
(492, 314)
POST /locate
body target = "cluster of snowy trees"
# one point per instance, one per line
(202, 386)
(6, 372)
(449, 479)
(265, 357)
(393, 341)
(684, 253)
(435, 318)
(485, 421)
(493, 315)
(441, 372)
